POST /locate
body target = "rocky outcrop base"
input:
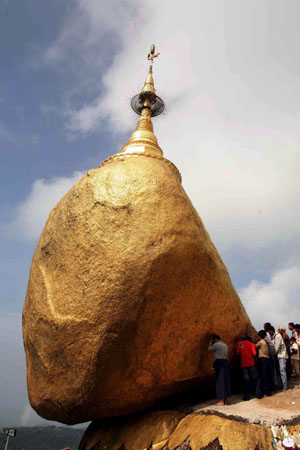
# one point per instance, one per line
(172, 430)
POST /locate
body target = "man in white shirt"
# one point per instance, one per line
(282, 355)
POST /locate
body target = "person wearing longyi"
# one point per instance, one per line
(221, 367)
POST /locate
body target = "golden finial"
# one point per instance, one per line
(152, 54)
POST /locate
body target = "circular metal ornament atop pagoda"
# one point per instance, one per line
(147, 97)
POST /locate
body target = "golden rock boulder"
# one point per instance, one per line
(125, 286)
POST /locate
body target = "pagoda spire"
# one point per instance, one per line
(146, 104)
(143, 142)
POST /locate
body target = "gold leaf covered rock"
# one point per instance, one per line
(125, 285)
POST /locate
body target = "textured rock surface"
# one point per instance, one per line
(125, 286)
(167, 432)
(232, 434)
(135, 432)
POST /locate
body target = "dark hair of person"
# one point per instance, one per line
(262, 334)
(292, 324)
(267, 326)
(271, 329)
(215, 336)
(247, 338)
(297, 325)
(293, 339)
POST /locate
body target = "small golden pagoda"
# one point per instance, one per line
(147, 104)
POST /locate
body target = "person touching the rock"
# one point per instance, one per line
(221, 367)
(247, 351)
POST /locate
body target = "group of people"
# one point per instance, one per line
(266, 364)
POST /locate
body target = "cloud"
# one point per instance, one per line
(10, 323)
(12, 384)
(232, 123)
(27, 415)
(250, 199)
(89, 28)
(32, 213)
(277, 301)
(195, 57)
(15, 409)
(92, 34)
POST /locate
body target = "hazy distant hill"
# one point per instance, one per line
(43, 438)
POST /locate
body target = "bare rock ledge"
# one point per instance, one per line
(238, 426)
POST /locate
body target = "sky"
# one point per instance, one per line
(229, 73)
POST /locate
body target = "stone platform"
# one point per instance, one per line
(238, 426)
